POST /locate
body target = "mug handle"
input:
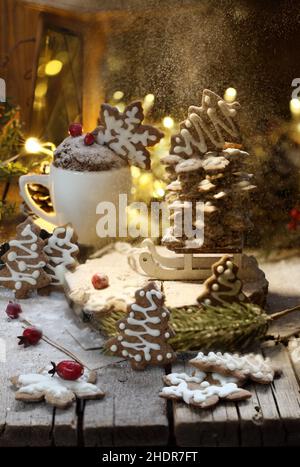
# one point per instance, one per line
(43, 180)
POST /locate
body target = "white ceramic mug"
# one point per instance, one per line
(75, 196)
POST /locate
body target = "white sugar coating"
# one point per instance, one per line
(169, 355)
(220, 269)
(73, 154)
(138, 358)
(159, 358)
(124, 353)
(215, 287)
(113, 348)
(122, 326)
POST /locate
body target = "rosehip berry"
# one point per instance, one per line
(89, 139)
(75, 129)
(292, 225)
(67, 369)
(31, 336)
(100, 281)
(295, 214)
(13, 310)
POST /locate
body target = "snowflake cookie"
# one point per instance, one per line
(36, 387)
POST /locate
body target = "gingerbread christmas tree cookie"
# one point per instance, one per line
(223, 286)
(125, 134)
(61, 250)
(143, 334)
(24, 261)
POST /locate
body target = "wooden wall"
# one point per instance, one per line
(18, 26)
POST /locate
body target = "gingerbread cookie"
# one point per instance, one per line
(195, 391)
(24, 261)
(54, 390)
(243, 367)
(144, 333)
(125, 134)
(206, 127)
(61, 250)
(223, 286)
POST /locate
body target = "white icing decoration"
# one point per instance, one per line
(159, 358)
(114, 348)
(142, 344)
(249, 365)
(56, 386)
(220, 269)
(122, 326)
(124, 353)
(207, 301)
(207, 122)
(25, 246)
(167, 335)
(215, 287)
(201, 395)
(169, 355)
(123, 138)
(60, 252)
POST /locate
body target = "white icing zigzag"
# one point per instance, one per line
(210, 121)
(29, 249)
(60, 251)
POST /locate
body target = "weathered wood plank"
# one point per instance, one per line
(286, 394)
(198, 427)
(131, 413)
(29, 424)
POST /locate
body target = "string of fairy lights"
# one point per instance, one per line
(145, 185)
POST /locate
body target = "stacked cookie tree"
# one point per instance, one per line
(208, 175)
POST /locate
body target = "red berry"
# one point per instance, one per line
(75, 129)
(295, 214)
(89, 139)
(67, 369)
(13, 310)
(31, 336)
(100, 281)
(292, 225)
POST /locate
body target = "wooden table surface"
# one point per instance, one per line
(132, 414)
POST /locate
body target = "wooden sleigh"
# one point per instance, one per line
(185, 266)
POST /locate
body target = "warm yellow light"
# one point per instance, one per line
(145, 179)
(53, 67)
(295, 106)
(160, 192)
(135, 172)
(298, 127)
(41, 89)
(230, 94)
(168, 122)
(121, 106)
(118, 95)
(149, 99)
(62, 57)
(32, 145)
